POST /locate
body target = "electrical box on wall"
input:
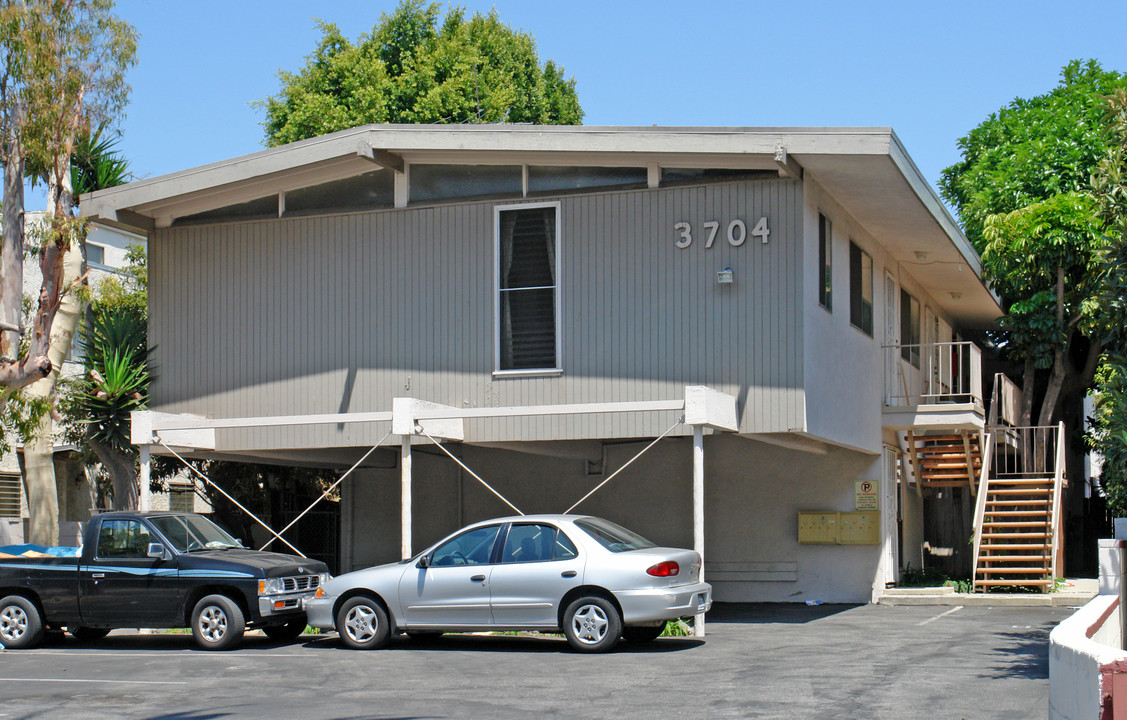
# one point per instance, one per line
(859, 528)
(818, 527)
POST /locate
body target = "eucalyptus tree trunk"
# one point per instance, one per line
(39, 466)
(11, 256)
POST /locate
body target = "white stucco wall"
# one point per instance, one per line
(1076, 661)
(845, 368)
(753, 493)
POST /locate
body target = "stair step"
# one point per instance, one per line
(1017, 513)
(946, 483)
(1017, 536)
(1023, 481)
(948, 438)
(1044, 503)
(1015, 558)
(1023, 547)
(1013, 570)
(979, 583)
(1018, 491)
(944, 475)
(1014, 523)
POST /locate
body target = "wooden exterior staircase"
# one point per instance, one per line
(1017, 516)
(949, 460)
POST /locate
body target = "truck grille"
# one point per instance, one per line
(300, 583)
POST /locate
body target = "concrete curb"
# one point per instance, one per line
(1079, 592)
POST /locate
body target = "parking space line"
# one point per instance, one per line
(155, 653)
(955, 609)
(90, 680)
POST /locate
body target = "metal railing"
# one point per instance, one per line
(1058, 487)
(932, 373)
(1027, 451)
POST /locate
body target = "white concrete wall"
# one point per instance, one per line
(753, 493)
(1076, 662)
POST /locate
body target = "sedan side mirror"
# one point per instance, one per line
(423, 563)
(156, 551)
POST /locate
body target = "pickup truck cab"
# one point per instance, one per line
(154, 570)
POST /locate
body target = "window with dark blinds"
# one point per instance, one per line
(527, 289)
(860, 289)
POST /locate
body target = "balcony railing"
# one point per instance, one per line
(932, 373)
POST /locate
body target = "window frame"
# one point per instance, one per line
(858, 284)
(913, 337)
(825, 262)
(558, 287)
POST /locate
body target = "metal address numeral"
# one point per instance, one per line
(686, 231)
(737, 232)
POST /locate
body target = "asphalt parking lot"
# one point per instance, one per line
(758, 661)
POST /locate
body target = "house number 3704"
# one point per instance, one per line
(737, 232)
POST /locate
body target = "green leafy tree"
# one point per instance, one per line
(1109, 185)
(1022, 194)
(415, 67)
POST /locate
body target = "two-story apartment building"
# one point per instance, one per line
(556, 289)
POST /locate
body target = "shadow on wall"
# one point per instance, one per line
(775, 613)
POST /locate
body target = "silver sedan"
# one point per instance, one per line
(594, 580)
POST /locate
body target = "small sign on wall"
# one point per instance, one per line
(865, 495)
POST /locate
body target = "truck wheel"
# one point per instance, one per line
(88, 634)
(217, 623)
(592, 624)
(20, 624)
(287, 631)
(362, 624)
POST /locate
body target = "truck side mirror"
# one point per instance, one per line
(156, 551)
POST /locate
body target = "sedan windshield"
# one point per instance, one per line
(192, 532)
(611, 536)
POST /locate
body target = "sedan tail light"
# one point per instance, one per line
(668, 568)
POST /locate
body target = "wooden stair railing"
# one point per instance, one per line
(1017, 517)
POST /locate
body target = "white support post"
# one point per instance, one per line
(144, 501)
(405, 503)
(698, 512)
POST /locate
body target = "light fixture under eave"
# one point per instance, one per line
(955, 295)
(725, 277)
(921, 256)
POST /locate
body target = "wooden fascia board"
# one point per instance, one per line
(273, 161)
(233, 194)
(286, 168)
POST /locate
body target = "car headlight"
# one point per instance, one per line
(270, 586)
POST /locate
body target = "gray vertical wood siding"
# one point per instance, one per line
(342, 313)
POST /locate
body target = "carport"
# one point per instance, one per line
(418, 421)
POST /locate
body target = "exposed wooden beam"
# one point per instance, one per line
(383, 158)
(788, 166)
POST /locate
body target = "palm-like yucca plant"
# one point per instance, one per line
(117, 373)
(115, 382)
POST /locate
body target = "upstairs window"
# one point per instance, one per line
(825, 262)
(860, 289)
(909, 328)
(527, 288)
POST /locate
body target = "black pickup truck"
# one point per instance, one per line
(154, 570)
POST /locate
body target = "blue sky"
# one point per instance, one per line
(931, 71)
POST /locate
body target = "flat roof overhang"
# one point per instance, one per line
(866, 170)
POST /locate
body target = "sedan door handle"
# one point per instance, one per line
(568, 573)
(477, 578)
